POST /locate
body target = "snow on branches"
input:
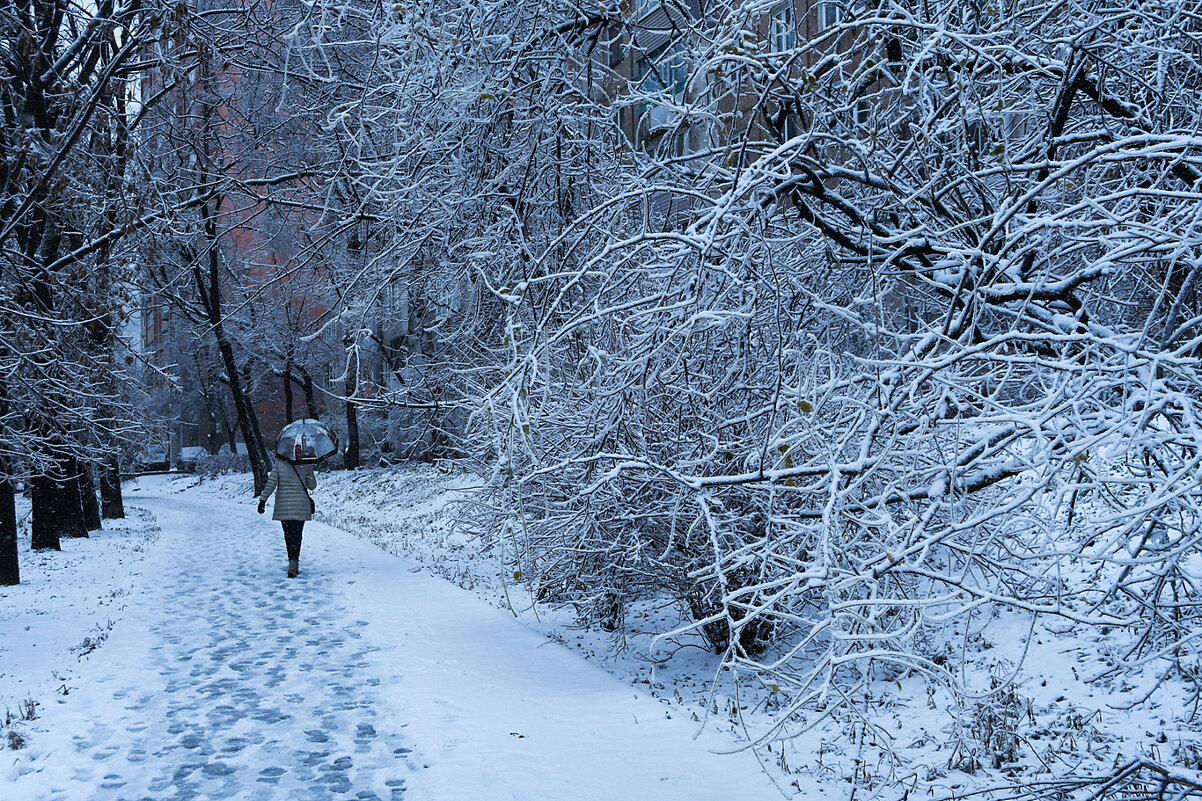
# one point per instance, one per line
(885, 325)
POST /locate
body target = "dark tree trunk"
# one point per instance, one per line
(45, 523)
(244, 409)
(88, 500)
(57, 512)
(231, 433)
(213, 435)
(310, 396)
(254, 425)
(75, 520)
(225, 430)
(112, 505)
(306, 383)
(351, 457)
(10, 566)
(288, 393)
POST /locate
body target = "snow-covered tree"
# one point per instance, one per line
(838, 324)
(64, 209)
(234, 159)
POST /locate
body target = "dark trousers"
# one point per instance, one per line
(292, 537)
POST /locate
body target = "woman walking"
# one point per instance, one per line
(291, 484)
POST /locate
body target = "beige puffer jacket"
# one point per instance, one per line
(291, 501)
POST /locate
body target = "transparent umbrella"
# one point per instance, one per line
(306, 441)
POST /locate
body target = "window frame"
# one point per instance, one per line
(644, 7)
(653, 64)
(829, 14)
(783, 27)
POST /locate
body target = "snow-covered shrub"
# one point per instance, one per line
(987, 731)
(921, 346)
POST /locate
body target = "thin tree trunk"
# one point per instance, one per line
(310, 396)
(208, 285)
(10, 565)
(112, 504)
(230, 433)
(306, 382)
(210, 295)
(88, 500)
(288, 392)
(244, 410)
(351, 457)
(254, 425)
(212, 442)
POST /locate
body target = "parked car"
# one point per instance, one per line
(153, 457)
(186, 461)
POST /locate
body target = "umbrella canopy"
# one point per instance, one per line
(306, 441)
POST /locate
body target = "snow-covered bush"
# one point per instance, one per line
(223, 462)
(923, 348)
(988, 730)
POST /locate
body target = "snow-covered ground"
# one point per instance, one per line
(364, 678)
(221, 675)
(64, 609)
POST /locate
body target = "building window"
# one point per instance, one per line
(863, 111)
(664, 72)
(663, 80)
(830, 14)
(784, 32)
(675, 143)
(645, 7)
(792, 127)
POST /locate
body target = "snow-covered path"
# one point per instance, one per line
(360, 679)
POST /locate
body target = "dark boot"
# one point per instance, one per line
(293, 567)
